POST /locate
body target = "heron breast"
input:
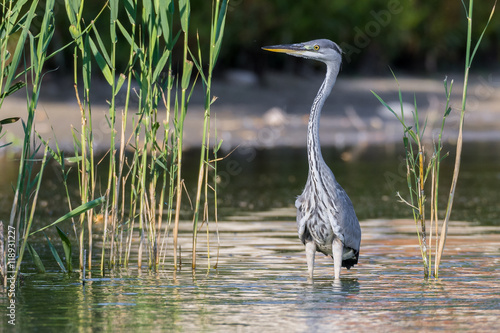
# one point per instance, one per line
(314, 223)
(320, 230)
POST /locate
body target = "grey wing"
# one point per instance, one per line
(301, 219)
(347, 220)
(344, 219)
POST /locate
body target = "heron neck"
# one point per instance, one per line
(313, 144)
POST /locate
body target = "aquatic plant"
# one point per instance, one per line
(418, 170)
(144, 188)
(153, 172)
(14, 32)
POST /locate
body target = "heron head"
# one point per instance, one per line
(319, 49)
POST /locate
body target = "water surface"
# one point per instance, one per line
(260, 282)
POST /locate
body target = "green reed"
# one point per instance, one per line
(418, 170)
(216, 34)
(15, 33)
(83, 146)
(144, 188)
(153, 174)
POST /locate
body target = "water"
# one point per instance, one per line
(261, 285)
(260, 282)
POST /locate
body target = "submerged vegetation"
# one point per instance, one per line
(418, 170)
(144, 187)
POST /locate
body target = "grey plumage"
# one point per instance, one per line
(326, 220)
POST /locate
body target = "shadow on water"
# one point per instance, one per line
(261, 282)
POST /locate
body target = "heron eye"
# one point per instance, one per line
(316, 47)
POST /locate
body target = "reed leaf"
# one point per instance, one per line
(16, 56)
(66, 247)
(12, 89)
(72, 9)
(160, 65)
(75, 212)
(113, 5)
(17, 9)
(119, 83)
(185, 11)
(102, 62)
(219, 30)
(86, 62)
(386, 106)
(482, 33)
(131, 10)
(127, 35)
(55, 254)
(36, 258)
(186, 75)
(166, 12)
(8, 121)
(417, 173)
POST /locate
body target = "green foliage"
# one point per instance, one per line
(421, 35)
(416, 34)
(67, 249)
(418, 171)
(4, 122)
(75, 212)
(56, 255)
(36, 259)
(129, 41)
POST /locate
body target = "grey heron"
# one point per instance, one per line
(326, 220)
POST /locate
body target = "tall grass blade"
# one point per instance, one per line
(166, 11)
(16, 57)
(418, 173)
(482, 33)
(387, 106)
(153, 171)
(74, 213)
(66, 247)
(12, 89)
(8, 121)
(36, 259)
(101, 62)
(185, 11)
(55, 254)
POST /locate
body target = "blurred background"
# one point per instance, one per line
(421, 41)
(264, 98)
(421, 37)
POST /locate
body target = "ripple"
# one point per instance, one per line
(261, 284)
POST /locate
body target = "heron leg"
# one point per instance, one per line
(337, 249)
(310, 253)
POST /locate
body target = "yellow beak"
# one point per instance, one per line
(289, 49)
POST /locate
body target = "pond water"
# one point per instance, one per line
(261, 285)
(260, 282)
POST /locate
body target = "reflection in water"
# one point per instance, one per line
(272, 178)
(261, 280)
(261, 284)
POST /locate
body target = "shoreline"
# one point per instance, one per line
(276, 115)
